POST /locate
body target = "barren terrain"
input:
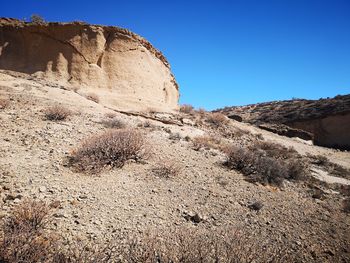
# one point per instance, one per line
(204, 194)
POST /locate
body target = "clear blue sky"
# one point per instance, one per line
(229, 52)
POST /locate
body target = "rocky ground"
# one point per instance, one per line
(205, 194)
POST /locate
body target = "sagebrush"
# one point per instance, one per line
(166, 169)
(217, 119)
(57, 113)
(186, 108)
(267, 164)
(109, 149)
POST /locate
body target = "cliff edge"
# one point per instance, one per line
(123, 69)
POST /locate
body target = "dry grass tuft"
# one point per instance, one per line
(4, 103)
(217, 119)
(166, 169)
(57, 113)
(93, 96)
(23, 237)
(113, 123)
(206, 142)
(186, 108)
(109, 149)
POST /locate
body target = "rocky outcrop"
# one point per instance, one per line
(328, 120)
(285, 130)
(122, 68)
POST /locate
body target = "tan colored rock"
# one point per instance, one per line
(123, 69)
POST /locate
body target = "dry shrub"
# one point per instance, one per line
(23, 238)
(57, 113)
(274, 150)
(206, 142)
(113, 123)
(4, 103)
(166, 169)
(92, 96)
(37, 19)
(109, 149)
(186, 108)
(264, 167)
(217, 119)
(197, 245)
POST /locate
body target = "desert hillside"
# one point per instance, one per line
(187, 184)
(123, 69)
(325, 121)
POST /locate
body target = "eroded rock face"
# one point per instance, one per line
(122, 68)
(328, 120)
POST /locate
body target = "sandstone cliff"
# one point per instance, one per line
(122, 68)
(327, 119)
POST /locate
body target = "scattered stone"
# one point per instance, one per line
(257, 206)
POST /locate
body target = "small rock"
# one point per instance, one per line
(42, 189)
(256, 206)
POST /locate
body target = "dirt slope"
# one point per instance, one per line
(33, 154)
(122, 68)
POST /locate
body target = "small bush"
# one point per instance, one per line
(186, 108)
(240, 159)
(217, 119)
(93, 97)
(166, 169)
(109, 149)
(37, 19)
(274, 150)
(206, 142)
(4, 103)
(113, 123)
(269, 171)
(261, 167)
(296, 170)
(29, 215)
(57, 113)
(23, 237)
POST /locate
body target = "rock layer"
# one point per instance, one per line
(122, 68)
(328, 120)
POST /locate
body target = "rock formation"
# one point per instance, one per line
(328, 120)
(122, 68)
